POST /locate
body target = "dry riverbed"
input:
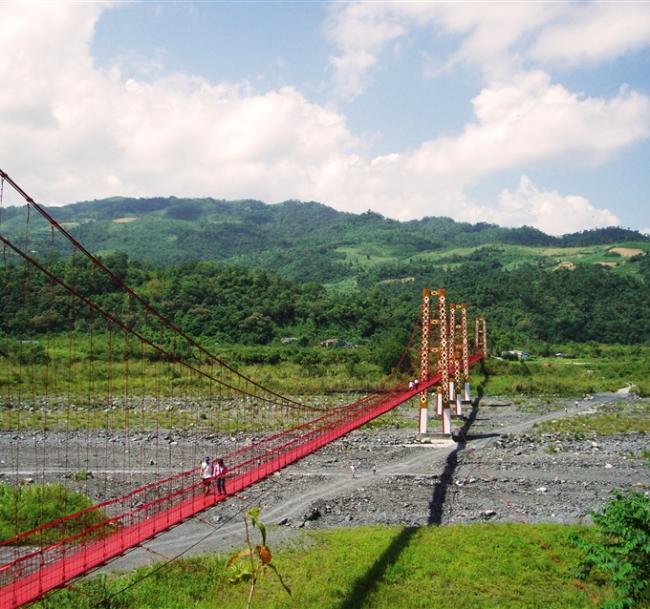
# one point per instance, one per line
(500, 469)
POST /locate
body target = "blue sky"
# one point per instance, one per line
(514, 113)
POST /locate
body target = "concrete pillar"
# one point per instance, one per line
(446, 421)
(424, 420)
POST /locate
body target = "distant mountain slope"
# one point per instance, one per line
(303, 241)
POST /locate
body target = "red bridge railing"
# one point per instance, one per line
(154, 508)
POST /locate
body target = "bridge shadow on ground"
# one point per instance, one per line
(437, 503)
(369, 582)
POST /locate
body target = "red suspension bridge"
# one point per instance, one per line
(125, 370)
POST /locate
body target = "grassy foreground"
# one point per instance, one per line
(504, 566)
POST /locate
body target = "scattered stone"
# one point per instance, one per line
(313, 514)
(492, 477)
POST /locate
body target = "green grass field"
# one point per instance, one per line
(456, 567)
(610, 369)
(44, 391)
(611, 419)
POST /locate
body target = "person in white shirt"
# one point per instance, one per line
(207, 475)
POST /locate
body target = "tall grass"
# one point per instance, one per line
(614, 419)
(457, 567)
(607, 371)
(73, 365)
(100, 384)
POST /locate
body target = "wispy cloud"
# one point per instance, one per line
(594, 33)
(500, 38)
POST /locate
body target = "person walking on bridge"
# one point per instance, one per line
(207, 475)
(220, 471)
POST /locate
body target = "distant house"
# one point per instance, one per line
(518, 355)
(329, 342)
(346, 344)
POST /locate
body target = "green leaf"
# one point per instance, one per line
(254, 514)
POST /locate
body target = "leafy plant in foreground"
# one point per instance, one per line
(622, 549)
(250, 563)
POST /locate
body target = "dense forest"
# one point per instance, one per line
(246, 273)
(526, 306)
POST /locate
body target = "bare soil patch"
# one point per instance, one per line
(626, 252)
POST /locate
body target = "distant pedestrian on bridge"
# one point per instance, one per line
(207, 474)
(220, 471)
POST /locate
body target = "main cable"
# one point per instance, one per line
(120, 283)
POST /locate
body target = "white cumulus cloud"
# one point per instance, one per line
(71, 131)
(549, 211)
(525, 121)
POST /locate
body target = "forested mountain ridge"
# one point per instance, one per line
(526, 306)
(246, 272)
(308, 241)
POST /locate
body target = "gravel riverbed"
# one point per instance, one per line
(499, 469)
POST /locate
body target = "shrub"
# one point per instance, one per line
(622, 549)
(25, 507)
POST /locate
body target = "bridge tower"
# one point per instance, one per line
(435, 341)
(459, 392)
(452, 350)
(467, 398)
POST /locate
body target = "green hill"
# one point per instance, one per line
(246, 272)
(307, 241)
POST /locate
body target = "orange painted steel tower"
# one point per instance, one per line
(434, 341)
